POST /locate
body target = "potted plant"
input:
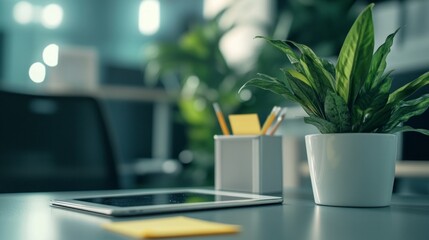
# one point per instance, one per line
(352, 161)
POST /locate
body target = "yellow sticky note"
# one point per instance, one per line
(245, 124)
(170, 227)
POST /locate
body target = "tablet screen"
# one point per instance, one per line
(159, 198)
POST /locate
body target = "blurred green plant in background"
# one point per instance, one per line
(196, 70)
(322, 24)
(202, 76)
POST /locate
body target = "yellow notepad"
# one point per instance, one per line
(170, 227)
(245, 124)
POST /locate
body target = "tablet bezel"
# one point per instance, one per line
(250, 199)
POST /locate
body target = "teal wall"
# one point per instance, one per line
(109, 26)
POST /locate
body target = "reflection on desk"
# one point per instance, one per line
(29, 216)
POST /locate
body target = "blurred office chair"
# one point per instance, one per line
(54, 143)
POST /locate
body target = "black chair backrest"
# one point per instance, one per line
(54, 143)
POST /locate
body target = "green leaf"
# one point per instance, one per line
(271, 84)
(321, 83)
(274, 87)
(329, 67)
(374, 121)
(374, 99)
(298, 75)
(378, 63)
(357, 118)
(307, 73)
(355, 57)
(407, 90)
(337, 112)
(379, 100)
(323, 125)
(406, 110)
(306, 94)
(320, 76)
(409, 129)
(270, 80)
(381, 93)
(370, 101)
(286, 49)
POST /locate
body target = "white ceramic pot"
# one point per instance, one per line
(352, 169)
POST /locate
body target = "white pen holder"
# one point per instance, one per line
(248, 163)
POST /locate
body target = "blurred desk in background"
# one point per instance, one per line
(117, 92)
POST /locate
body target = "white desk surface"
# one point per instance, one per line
(28, 216)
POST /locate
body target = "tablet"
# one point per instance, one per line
(162, 201)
